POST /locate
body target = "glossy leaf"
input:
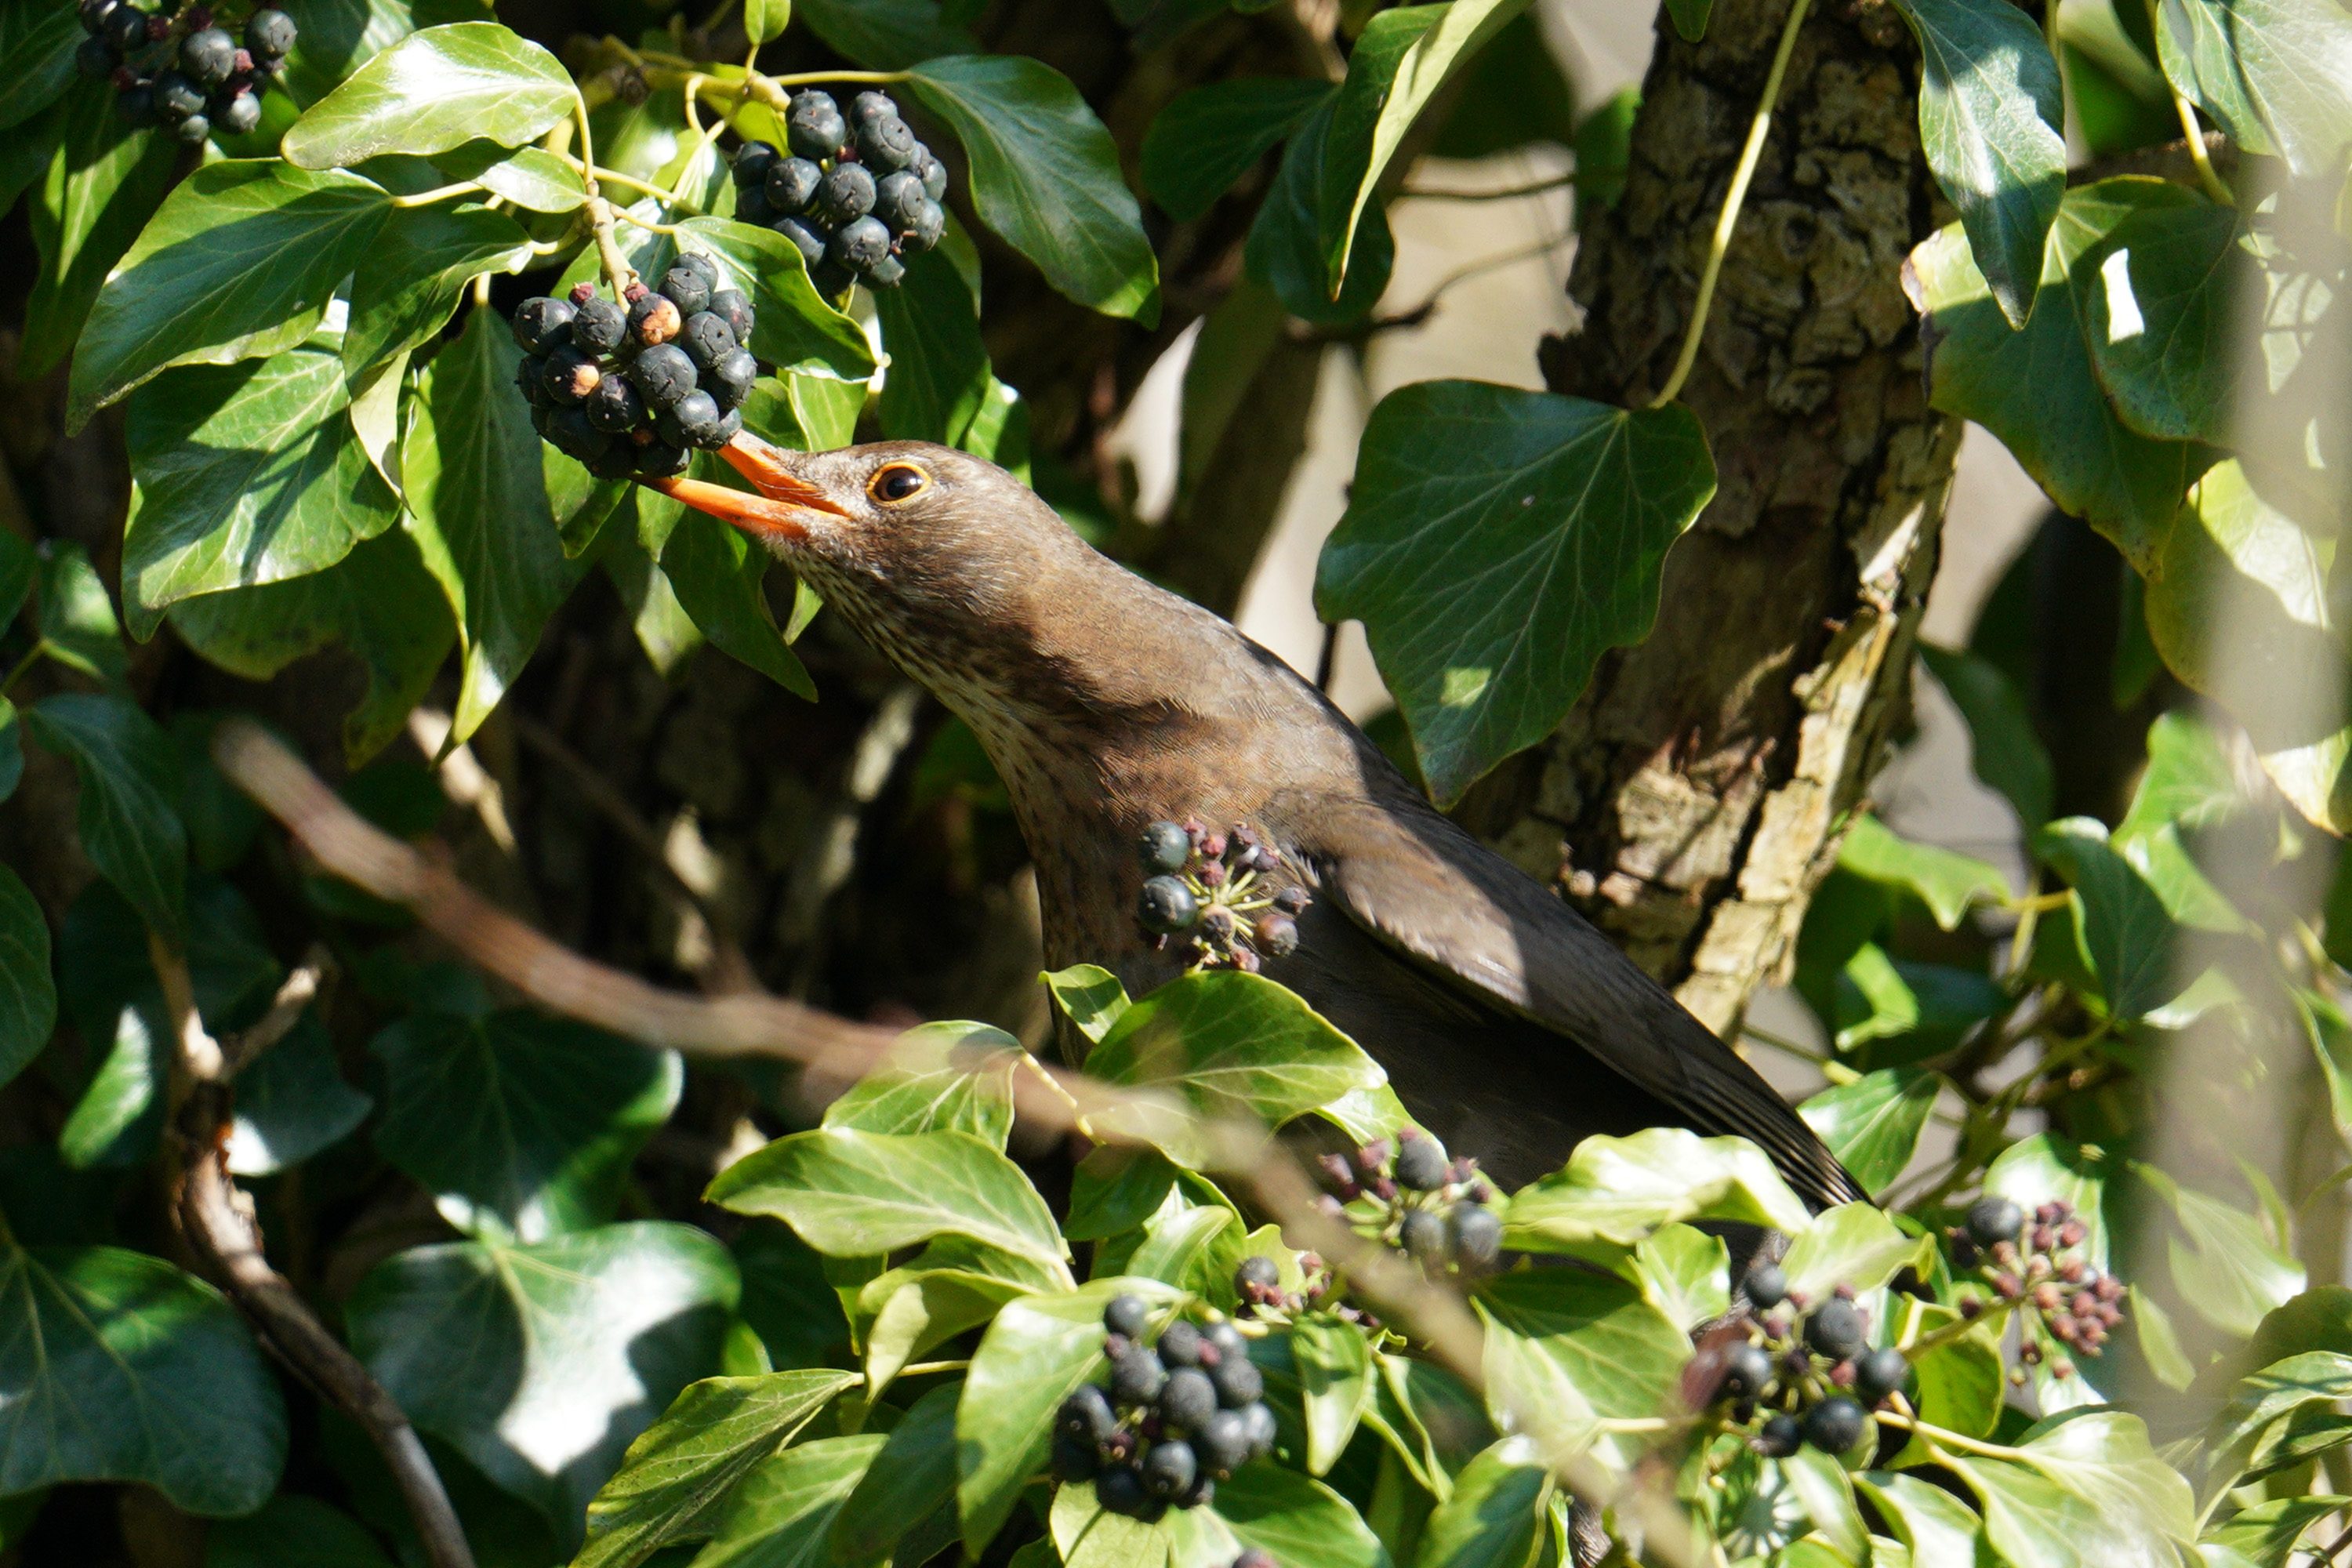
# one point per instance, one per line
(2274, 72)
(1947, 881)
(407, 284)
(2229, 1271)
(1404, 57)
(77, 618)
(1210, 136)
(1224, 1045)
(1940, 1528)
(101, 186)
(853, 1194)
(1090, 996)
(28, 995)
(114, 1365)
(1493, 1518)
(2005, 752)
(572, 1348)
(793, 328)
(1873, 1124)
(2125, 932)
(1497, 543)
(783, 1511)
(36, 56)
(885, 35)
(247, 474)
(766, 19)
(337, 37)
(2265, 1534)
(1992, 118)
(940, 375)
(1854, 1245)
(1035, 1352)
(1303, 1522)
(238, 264)
(291, 1102)
(909, 1483)
(2163, 319)
(1334, 1362)
(480, 512)
(949, 1076)
(292, 1531)
(1567, 1350)
(434, 90)
(676, 1477)
(1045, 176)
(2085, 1489)
(2034, 386)
(1285, 250)
(1620, 1189)
(522, 1126)
(1686, 1274)
(130, 821)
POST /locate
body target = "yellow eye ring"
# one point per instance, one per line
(894, 482)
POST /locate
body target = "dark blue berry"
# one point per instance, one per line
(1262, 1429)
(1074, 1460)
(661, 459)
(830, 278)
(807, 237)
(1226, 1341)
(1165, 846)
(527, 382)
(790, 184)
(126, 28)
(1994, 1220)
(1167, 905)
(1121, 1490)
(1222, 1444)
(1126, 1315)
(752, 206)
(734, 307)
(662, 376)
(269, 33)
(751, 162)
(1746, 1373)
(932, 173)
(616, 459)
(1238, 1381)
(729, 381)
(683, 287)
(869, 106)
(1137, 1377)
(887, 273)
(691, 421)
(1086, 1414)
(94, 14)
(192, 129)
(706, 339)
(930, 223)
(729, 425)
(1475, 1235)
(598, 325)
(1766, 1287)
(1423, 1235)
(237, 114)
(1180, 1345)
(208, 57)
(1188, 1398)
(1835, 1424)
(614, 405)
(1421, 1162)
(886, 144)
(1169, 1469)
(1780, 1438)
(844, 196)
(1880, 1373)
(813, 126)
(654, 320)
(1834, 1330)
(571, 376)
(176, 97)
(899, 199)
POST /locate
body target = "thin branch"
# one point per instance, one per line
(1728, 219)
(564, 981)
(218, 1219)
(295, 994)
(1508, 192)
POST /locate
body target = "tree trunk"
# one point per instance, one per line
(1694, 798)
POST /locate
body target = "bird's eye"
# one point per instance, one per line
(898, 482)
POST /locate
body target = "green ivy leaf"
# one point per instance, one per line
(885, 35)
(1403, 59)
(2272, 72)
(1210, 136)
(379, 602)
(2266, 1535)
(908, 1490)
(1853, 1244)
(1035, 1351)
(28, 996)
(12, 749)
(2162, 321)
(1686, 1274)
(101, 186)
(432, 92)
(1497, 543)
(2187, 782)
(853, 1194)
(1873, 1124)
(766, 19)
(2226, 1268)
(117, 1366)
(337, 37)
(1224, 1045)
(2084, 1490)
(480, 510)
(1937, 1527)
(530, 177)
(1045, 176)
(1084, 1534)
(1617, 1190)
(572, 1348)
(2234, 553)
(291, 1102)
(1992, 119)
(292, 1531)
(1567, 1349)
(1947, 881)
(2034, 386)
(2125, 932)
(77, 618)
(1690, 17)
(1494, 1517)
(36, 56)
(719, 577)
(2005, 752)
(1302, 1521)
(1285, 250)
(130, 775)
(522, 1126)
(247, 474)
(1335, 1376)
(940, 375)
(408, 282)
(782, 1514)
(939, 1078)
(1961, 1385)
(675, 1478)
(239, 264)
(1090, 996)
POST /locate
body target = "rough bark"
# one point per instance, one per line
(1693, 799)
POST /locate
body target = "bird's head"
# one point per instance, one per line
(948, 565)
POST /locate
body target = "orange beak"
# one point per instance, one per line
(781, 507)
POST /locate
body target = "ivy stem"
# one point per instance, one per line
(1749, 155)
(2207, 176)
(1938, 1438)
(33, 656)
(925, 1368)
(1939, 1338)
(617, 270)
(439, 194)
(634, 221)
(813, 78)
(611, 177)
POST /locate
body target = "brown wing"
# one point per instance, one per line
(1427, 890)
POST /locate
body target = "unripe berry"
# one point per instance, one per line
(1277, 934)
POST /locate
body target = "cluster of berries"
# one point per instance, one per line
(854, 194)
(2073, 1304)
(182, 71)
(1258, 1283)
(629, 389)
(1815, 1372)
(1208, 894)
(1416, 1199)
(1177, 1417)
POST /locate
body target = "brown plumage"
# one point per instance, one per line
(1508, 1023)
